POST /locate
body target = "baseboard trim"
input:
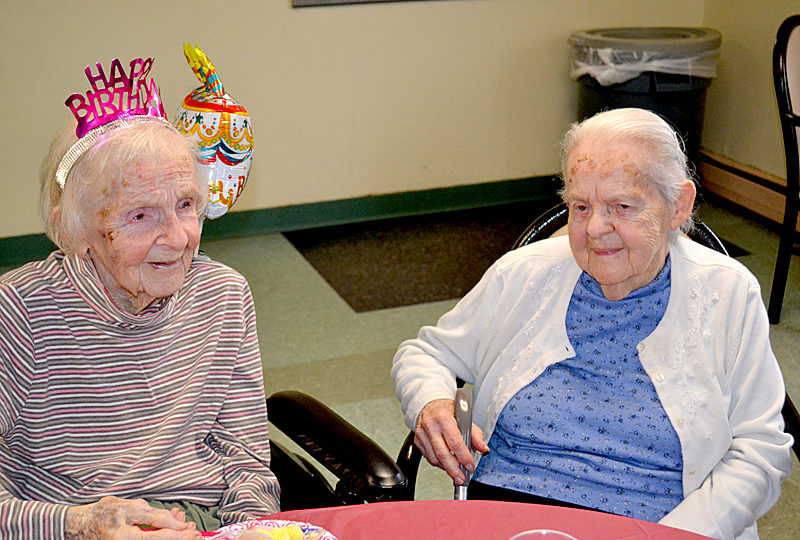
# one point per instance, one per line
(19, 249)
(754, 190)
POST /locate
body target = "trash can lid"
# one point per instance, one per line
(672, 41)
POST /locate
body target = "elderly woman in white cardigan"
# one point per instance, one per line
(622, 368)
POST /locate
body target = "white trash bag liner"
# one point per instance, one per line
(617, 55)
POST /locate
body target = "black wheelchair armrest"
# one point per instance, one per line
(408, 459)
(365, 471)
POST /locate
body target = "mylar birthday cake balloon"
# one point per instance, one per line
(221, 127)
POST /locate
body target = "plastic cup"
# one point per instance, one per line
(542, 534)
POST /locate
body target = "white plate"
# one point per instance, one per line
(310, 531)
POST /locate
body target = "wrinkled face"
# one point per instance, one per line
(145, 231)
(619, 223)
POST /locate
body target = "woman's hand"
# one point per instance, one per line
(112, 517)
(439, 439)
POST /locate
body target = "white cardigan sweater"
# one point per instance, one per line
(709, 358)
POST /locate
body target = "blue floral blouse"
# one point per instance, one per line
(591, 429)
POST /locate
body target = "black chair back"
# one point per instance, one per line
(786, 74)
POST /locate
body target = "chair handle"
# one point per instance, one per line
(463, 405)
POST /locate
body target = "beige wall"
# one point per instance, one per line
(345, 101)
(741, 113)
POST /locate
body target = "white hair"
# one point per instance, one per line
(662, 156)
(67, 214)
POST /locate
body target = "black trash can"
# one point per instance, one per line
(665, 70)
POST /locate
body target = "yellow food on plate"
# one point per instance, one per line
(288, 532)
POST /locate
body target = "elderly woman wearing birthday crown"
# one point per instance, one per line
(132, 393)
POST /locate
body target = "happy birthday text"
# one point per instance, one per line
(121, 93)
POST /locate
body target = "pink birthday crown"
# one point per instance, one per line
(120, 95)
(113, 102)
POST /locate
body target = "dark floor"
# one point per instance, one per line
(405, 261)
(414, 260)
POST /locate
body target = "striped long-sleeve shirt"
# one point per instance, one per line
(167, 404)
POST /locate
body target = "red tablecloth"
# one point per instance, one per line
(484, 520)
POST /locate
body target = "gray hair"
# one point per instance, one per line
(67, 214)
(663, 157)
